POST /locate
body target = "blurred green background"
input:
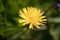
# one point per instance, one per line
(10, 29)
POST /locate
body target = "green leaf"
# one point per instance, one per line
(9, 31)
(55, 31)
(1, 6)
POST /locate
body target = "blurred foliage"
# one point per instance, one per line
(10, 29)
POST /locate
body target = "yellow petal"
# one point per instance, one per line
(38, 27)
(42, 24)
(30, 26)
(41, 13)
(21, 21)
(25, 23)
(25, 11)
(42, 16)
(44, 19)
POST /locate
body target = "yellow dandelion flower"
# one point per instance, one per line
(32, 16)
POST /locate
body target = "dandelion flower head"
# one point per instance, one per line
(32, 16)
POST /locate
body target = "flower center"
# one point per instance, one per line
(32, 18)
